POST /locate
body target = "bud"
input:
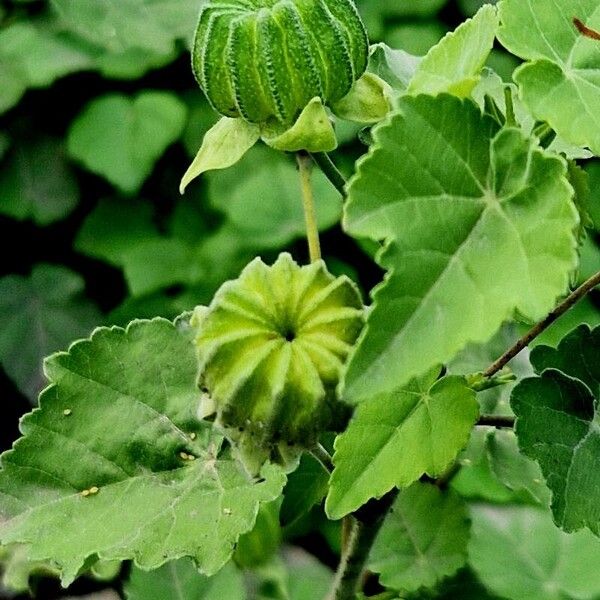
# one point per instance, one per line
(265, 60)
(272, 346)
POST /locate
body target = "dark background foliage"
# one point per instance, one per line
(89, 240)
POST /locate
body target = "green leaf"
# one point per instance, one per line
(305, 487)
(557, 425)
(128, 37)
(121, 138)
(307, 577)
(17, 569)
(484, 229)
(262, 199)
(180, 580)
(475, 479)
(396, 67)
(491, 84)
(148, 24)
(119, 432)
(297, 575)
(223, 145)
(312, 131)
(114, 227)
(464, 586)
(258, 546)
(367, 102)
(519, 554)
(171, 262)
(36, 183)
(201, 117)
(518, 473)
(561, 82)
(166, 261)
(416, 38)
(34, 54)
(453, 65)
(394, 9)
(39, 315)
(395, 438)
(423, 539)
(577, 356)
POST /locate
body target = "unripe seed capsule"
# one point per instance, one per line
(272, 346)
(264, 60)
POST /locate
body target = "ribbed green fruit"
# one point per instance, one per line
(271, 348)
(264, 60)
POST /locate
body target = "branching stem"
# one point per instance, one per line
(324, 162)
(562, 308)
(308, 200)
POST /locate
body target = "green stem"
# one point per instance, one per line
(511, 120)
(308, 200)
(323, 457)
(562, 308)
(367, 523)
(330, 171)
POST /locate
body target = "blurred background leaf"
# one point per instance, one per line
(99, 117)
(40, 315)
(37, 183)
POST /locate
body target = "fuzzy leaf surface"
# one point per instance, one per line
(119, 419)
(423, 539)
(395, 438)
(560, 83)
(558, 425)
(477, 221)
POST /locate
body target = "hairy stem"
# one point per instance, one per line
(367, 523)
(562, 308)
(496, 421)
(324, 162)
(308, 200)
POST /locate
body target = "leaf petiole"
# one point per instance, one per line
(308, 200)
(324, 162)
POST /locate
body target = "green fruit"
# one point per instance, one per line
(264, 60)
(272, 346)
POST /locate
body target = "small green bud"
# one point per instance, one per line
(265, 60)
(272, 346)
